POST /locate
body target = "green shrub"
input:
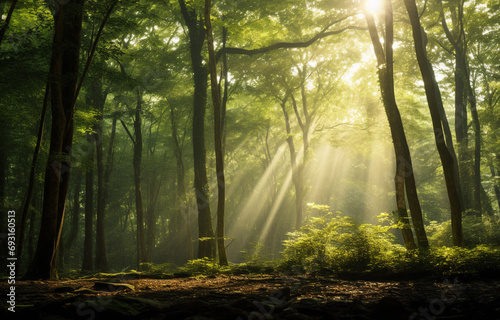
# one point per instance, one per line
(477, 231)
(466, 261)
(157, 269)
(439, 234)
(338, 243)
(204, 267)
(335, 243)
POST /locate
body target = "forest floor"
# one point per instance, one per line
(253, 297)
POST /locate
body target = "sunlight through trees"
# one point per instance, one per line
(136, 133)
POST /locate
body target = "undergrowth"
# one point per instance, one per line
(336, 244)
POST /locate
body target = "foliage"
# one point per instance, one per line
(444, 261)
(153, 268)
(477, 231)
(204, 267)
(336, 244)
(348, 166)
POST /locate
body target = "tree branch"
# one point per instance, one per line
(280, 45)
(129, 134)
(3, 29)
(93, 50)
(295, 109)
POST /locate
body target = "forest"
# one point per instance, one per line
(207, 153)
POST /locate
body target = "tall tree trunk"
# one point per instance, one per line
(225, 94)
(109, 159)
(63, 74)
(75, 218)
(297, 172)
(99, 99)
(444, 146)
(196, 30)
(31, 182)
(471, 184)
(141, 245)
(151, 217)
(31, 233)
(218, 129)
(295, 168)
(181, 188)
(136, 162)
(477, 150)
(496, 187)
(88, 243)
(404, 168)
(486, 203)
(101, 261)
(461, 125)
(305, 123)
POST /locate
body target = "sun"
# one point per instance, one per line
(373, 6)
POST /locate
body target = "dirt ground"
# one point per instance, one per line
(256, 297)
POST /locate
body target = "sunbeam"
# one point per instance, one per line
(254, 207)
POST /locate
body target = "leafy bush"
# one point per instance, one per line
(157, 269)
(477, 231)
(439, 234)
(466, 261)
(335, 243)
(338, 243)
(204, 266)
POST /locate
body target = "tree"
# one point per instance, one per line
(384, 67)
(218, 129)
(75, 216)
(31, 182)
(181, 198)
(137, 159)
(98, 101)
(442, 136)
(404, 168)
(88, 244)
(63, 81)
(196, 30)
(464, 93)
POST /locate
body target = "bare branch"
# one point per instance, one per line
(288, 45)
(129, 134)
